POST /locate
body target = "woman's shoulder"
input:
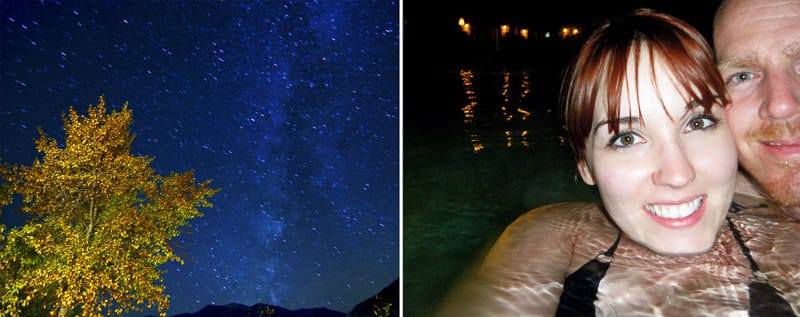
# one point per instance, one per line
(552, 229)
(762, 217)
(524, 269)
(560, 217)
(768, 229)
(771, 237)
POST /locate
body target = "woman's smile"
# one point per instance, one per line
(675, 211)
(678, 215)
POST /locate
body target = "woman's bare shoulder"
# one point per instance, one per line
(771, 237)
(561, 217)
(523, 271)
(550, 229)
(764, 215)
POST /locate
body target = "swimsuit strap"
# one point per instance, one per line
(736, 207)
(745, 249)
(765, 300)
(580, 287)
(613, 248)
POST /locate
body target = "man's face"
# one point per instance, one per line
(758, 51)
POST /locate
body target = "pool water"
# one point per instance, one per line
(481, 146)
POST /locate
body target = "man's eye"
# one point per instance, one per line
(740, 77)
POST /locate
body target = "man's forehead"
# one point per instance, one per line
(748, 57)
(732, 13)
(738, 17)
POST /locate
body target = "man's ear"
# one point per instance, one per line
(586, 173)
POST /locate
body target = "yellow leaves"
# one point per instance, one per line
(103, 222)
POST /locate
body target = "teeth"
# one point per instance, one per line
(675, 211)
(775, 143)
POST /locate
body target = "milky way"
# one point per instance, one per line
(290, 108)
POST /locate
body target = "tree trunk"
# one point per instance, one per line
(90, 227)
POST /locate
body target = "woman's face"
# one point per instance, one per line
(667, 177)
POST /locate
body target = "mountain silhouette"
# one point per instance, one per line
(260, 310)
(384, 304)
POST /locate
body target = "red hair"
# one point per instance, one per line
(599, 70)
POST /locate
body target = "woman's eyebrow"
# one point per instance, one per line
(622, 121)
(690, 106)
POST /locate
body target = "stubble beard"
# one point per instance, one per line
(779, 179)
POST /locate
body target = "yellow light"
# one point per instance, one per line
(524, 33)
(504, 29)
(575, 32)
(461, 22)
(524, 113)
(466, 28)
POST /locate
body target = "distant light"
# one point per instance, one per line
(569, 31)
(465, 27)
(524, 33)
(504, 29)
(547, 35)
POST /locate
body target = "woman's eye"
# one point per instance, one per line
(624, 140)
(701, 123)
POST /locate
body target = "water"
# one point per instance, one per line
(482, 145)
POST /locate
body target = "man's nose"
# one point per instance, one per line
(783, 96)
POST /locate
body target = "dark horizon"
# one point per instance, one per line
(433, 43)
(430, 29)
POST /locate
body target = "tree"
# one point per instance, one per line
(101, 222)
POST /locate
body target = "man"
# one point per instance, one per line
(757, 43)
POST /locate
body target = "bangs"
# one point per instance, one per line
(598, 76)
(685, 73)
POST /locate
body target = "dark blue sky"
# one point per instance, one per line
(290, 107)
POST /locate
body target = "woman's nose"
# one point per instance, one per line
(675, 168)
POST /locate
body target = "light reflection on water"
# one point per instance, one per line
(506, 105)
(467, 77)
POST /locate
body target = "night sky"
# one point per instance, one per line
(291, 108)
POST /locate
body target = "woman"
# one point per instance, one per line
(644, 107)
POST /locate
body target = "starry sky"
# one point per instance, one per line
(291, 108)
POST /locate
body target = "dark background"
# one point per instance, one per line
(433, 41)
